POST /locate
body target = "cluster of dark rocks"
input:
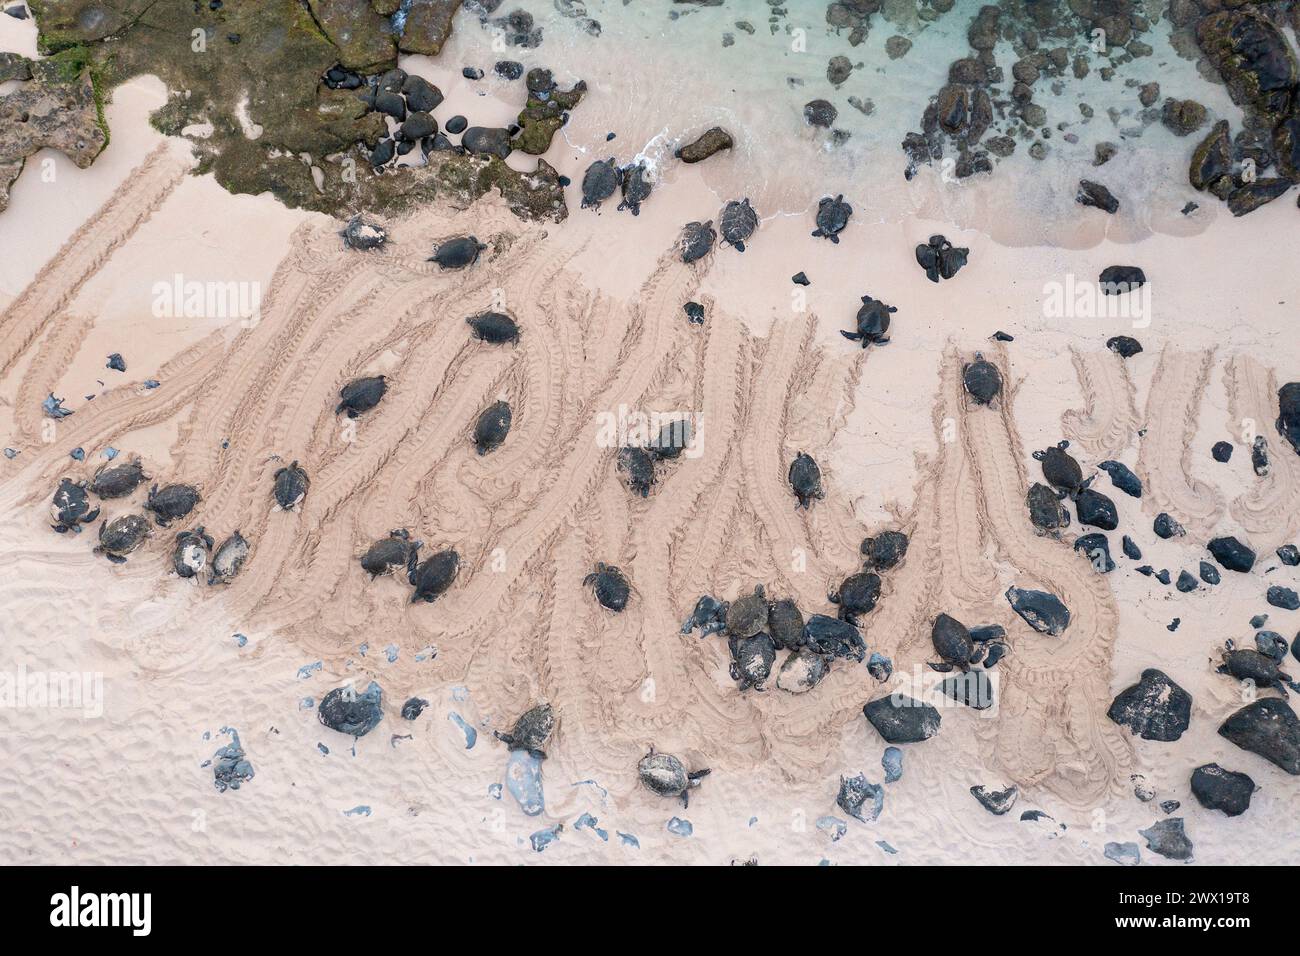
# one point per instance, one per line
(408, 102)
(1158, 709)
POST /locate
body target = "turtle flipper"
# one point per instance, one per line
(851, 336)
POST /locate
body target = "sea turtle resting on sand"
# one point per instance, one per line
(885, 550)
(1061, 469)
(599, 182)
(393, 554)
(751, 660)
(192, 552)
(121, 536)
(639, 464)
(636, 188)
(118, 481)
(857, 595)
(737, 222)
(494, 327)
(832, 216)
(709, 615)
(806, 479)
(982, 380)
(361, 395)
(291, 486)
(667, 776)
(457, 252)
(492, 427)
(70, 507)
(171, 502)
(228, 560)
(434, 575)
(872, 323)
(747, 615)
(953, 643)
(609, 585)
(697, 240)
(1046, 512)
(531, 731)
(785, 623)
(1251, 665)
(363, 236)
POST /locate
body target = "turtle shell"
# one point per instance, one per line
(663, 774)
(1045, 509)
(747, 615)
(1060, 468)
(952, 640)
(492, 427)
(785, 623)
(636, 188)
(982, 380)
(751, 660)
(291, 485)
(832, 216)
(599, 182)
(697, 240)
(123, 534)
(434, 575)
(610, 586)
(737, 222)
(457, 252)
(858, 594)
(805, 478)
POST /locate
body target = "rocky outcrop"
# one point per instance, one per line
(56, 108)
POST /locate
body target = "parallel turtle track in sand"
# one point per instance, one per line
(531, 519)
(1108, 422)
(1270, 510)
(1164, 460)
(131, 205)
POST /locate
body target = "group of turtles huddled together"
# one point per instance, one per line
(757, 627)
(193, 551)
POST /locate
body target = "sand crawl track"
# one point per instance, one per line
(1106, 425)
(1164, 457)
(531, 519)
(1270, 511)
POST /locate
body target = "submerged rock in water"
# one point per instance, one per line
(705, 145)
(901, 719)
(1096, 195)
(1167, 838)
(1155, 707)
(996, 802)
(1042, 611)
(1267, 727)
(1219, 789)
